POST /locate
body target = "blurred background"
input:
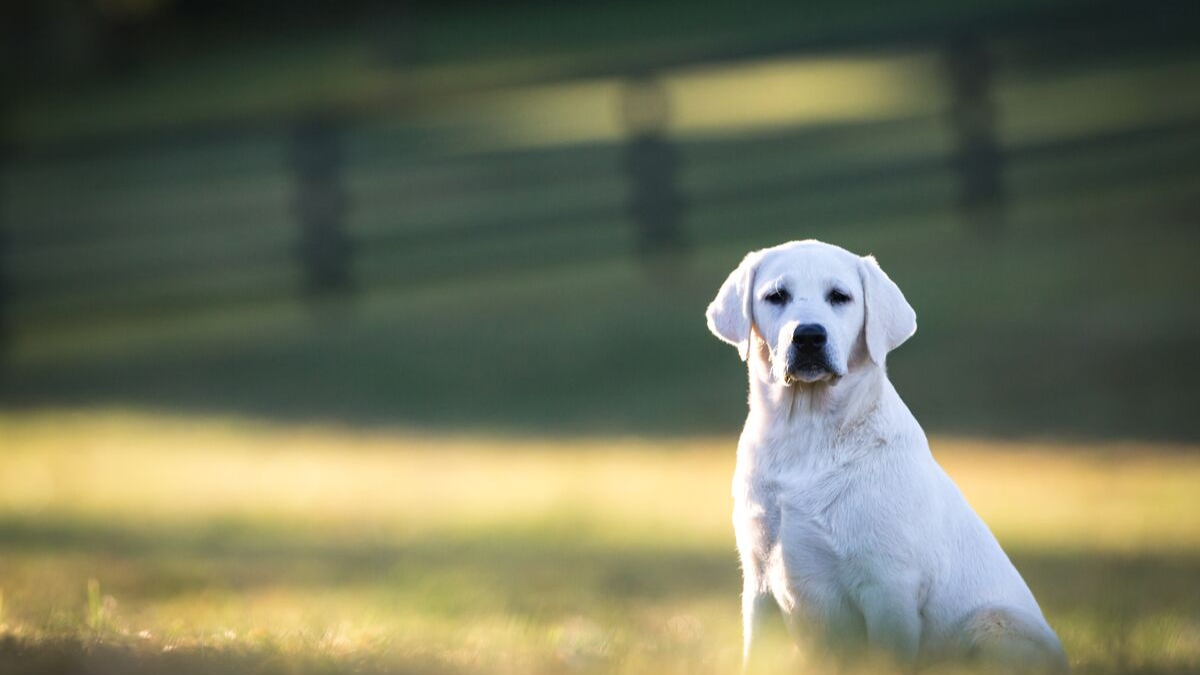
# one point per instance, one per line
(370, 334)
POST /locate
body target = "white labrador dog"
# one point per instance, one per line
(843, 518)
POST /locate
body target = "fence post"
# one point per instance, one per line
(400, 34)
(5, 297)
(324, 247)
(652, 163)
(978, 160)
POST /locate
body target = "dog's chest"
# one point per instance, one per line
(787, 523)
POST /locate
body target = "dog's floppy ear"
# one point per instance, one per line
(888, 320)
(730, 314)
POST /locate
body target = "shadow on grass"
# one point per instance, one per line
(558, 561)
(608, 351)
(76, 657)
(538, 564)
(1102, 603)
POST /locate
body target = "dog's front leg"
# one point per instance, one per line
(756, 606)
(893, 622)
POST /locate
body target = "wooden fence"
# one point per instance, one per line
(329, 202)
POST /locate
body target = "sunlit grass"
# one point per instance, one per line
(145, 542)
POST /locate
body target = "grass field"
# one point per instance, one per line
(132, 543)
(203, 471)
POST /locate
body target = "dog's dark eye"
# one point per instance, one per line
(837, 297)
(778, 297)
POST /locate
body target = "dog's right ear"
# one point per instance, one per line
(730, 314)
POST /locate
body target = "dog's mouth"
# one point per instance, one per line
(807, 368)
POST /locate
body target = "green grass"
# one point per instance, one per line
(137, 544)
(179, 288)
(605, 347)
(169, 280)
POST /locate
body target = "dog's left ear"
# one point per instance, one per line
(889, 319)
(730, 314)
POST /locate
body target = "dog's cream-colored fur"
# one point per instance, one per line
(843, 519)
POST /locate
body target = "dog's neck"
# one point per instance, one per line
(832, 408)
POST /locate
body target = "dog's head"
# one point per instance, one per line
(813, 311)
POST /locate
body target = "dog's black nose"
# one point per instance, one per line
(809, 338)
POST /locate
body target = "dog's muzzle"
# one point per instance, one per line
(808, 357)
